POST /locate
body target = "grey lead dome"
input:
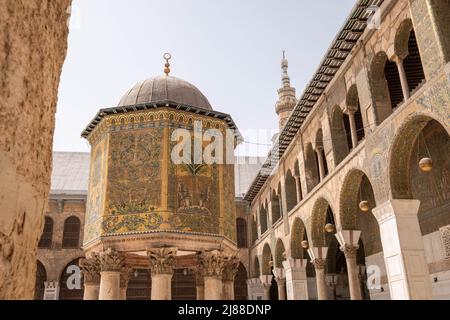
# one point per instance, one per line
(162, 88)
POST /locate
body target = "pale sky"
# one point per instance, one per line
(229, 49)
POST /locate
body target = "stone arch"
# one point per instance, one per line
(401, 152)
(423, 137)
(296, 172)
(321, 215)
(350, 197)
(267, 261)
(47, 235)
(356, 188)
(298, 234)
(256, 268)
(280, 252)
(385, 86)
(71, 232)
(254, 229)
(340, 135)
(41, 278)
(240, 283)
(275, 200)
(241, 229)
(65, 292)
(290, 188)
(353, 104)
(407, 49)
(402, 38)
(263, 218)
(311, 169)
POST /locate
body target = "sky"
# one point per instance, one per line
(230, 49)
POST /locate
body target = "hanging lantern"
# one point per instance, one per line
(330, 228)
(426, 164)
(305, 244)
(364, 206)
(136, 273)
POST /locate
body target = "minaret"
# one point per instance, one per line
(287, 99)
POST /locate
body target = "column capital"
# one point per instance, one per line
(91, 269)
(319, 264)
(212, 263)
(231, 267)
(111, 260)
(125, 275)
(350, 251)
(162, 260)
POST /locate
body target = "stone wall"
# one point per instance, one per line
(33, 38)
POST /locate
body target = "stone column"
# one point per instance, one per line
(296, 279)
(111, 264)
(319, 151)
(349, 239)
(124, 278)
(91, 277)
(351, 115)
(403, 79)
(229, 274)
(266, 281)
(403, 250)
(318, 259)
(212, 266)
(298, 186)
(280, 278)
(162, 262)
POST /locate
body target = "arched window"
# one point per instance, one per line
(340, 134)
(241, 227)
(240, 284)
(47, 234)
(71, 235)
(354, 107)
(394, 84)
(291, 191)
(276, 207)
(263, 219)
(413, 64)
(254, 230)
(311, 168)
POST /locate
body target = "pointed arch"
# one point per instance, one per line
(267, 261)
(340, 135)
(321, 215)
(291, 191)
(280, 252)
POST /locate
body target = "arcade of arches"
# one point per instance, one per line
(370, 169)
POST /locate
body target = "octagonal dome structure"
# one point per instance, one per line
(165, 88)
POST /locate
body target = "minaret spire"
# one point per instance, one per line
(287, 99)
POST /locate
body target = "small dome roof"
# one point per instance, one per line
(163, 88)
